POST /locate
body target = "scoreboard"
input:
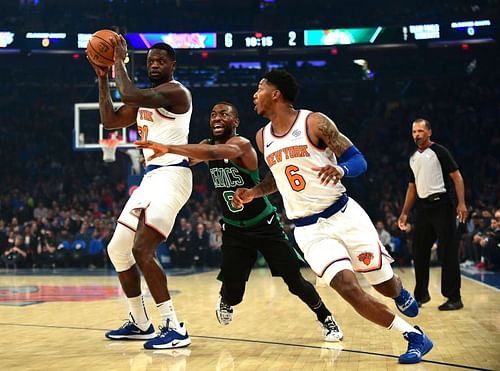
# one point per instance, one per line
(295, 38)
(456, 31)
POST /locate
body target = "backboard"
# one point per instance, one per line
(88, 131)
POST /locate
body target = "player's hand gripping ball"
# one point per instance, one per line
(100, 50)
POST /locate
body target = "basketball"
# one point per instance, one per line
(100, 50)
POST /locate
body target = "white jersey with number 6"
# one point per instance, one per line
(291, 158)
(345, 240)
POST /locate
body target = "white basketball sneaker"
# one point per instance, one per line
(331, 330)
(224, 312)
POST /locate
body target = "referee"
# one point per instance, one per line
(431, 167)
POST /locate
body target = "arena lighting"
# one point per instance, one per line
(83, 40)
(45, 35)
(361, 62)
(425, 31)
(193, 40)
(466, 24)
(6, 38)
(342, 36)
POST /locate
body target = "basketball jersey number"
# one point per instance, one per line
(143, 131)
(297, 181)
(228, 197)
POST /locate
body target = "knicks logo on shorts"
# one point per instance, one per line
(366, 257)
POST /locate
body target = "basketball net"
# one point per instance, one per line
(108, 147)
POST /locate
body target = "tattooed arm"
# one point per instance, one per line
(351, 162)
(323, 129)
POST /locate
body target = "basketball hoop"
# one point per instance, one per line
(108, 147)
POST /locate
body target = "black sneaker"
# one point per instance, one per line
(452, 305)
(424, 300)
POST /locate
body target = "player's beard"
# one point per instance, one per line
(157, 79)
(226, 134)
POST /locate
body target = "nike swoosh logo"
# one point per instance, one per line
(270, 220)
(343, 209)
(268, 144)
(136, 331)
(174, 343)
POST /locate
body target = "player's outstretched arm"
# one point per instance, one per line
(351, 162)
(202, 151)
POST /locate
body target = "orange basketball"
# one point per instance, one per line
(99, 50)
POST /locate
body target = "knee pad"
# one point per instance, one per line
(120, 248)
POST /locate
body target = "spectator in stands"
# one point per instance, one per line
(480, 238)
(215, 243)
(15, 255)
(47, 248)
(384, 236)
(199, 246)
(493, 244)
(183, 244)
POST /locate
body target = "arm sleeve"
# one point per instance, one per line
(352, 162)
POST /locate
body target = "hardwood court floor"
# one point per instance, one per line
(272, 329)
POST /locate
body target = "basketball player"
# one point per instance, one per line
(308, 156)
(248, 229)
(162, 113)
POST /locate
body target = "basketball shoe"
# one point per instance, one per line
(224, 312)
(130, 331)
(331, 330)
(406, 303)
(418, 346)
(169, 338)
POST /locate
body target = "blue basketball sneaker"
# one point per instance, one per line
(406, 303)
(130, 331)
(169, 338)
(418, 346)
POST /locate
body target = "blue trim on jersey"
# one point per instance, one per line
(183, 163)
(328, 212)
(352, 162)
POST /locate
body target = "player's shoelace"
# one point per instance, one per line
(164, 329)
(126, 324)
(225, 310)
(331, 326)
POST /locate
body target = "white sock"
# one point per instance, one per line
(167, 311)
(138, 312)
(402, 326)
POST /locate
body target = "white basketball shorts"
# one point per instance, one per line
(162, 193)
(346, 240)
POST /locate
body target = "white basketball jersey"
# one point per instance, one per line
(162, 126)
(291, 158)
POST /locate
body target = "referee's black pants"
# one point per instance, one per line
(436, 221)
